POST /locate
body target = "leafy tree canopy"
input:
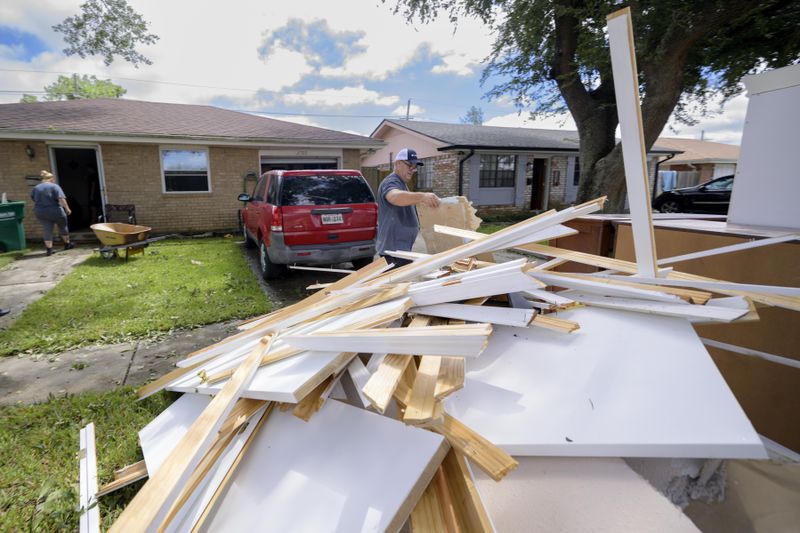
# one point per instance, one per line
(553, 56)
(474, 116)
(107, 28)
(70, 88)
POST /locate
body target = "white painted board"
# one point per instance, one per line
(89, 521)
(767, 183)
(576, 495)
(163, 433)
(625, 385)
(328, 474)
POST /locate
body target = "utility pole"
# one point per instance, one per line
(74, 86)
(408, 109)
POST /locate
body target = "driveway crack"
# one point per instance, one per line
(130, 363)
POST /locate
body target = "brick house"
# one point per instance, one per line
(496, 168)
(182, 166)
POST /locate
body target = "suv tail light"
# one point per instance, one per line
(277, 219)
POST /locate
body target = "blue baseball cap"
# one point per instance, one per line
(407, 154)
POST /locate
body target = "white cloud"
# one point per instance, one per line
(414, 110)
(515, 120)
(723, 125)
(456, 63)
(346, 96)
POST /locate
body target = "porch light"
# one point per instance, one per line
(30, 151)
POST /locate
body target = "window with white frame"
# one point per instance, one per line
(498, 170)
(185, 170)
(425, 174)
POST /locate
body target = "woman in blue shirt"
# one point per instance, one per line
(50, 207)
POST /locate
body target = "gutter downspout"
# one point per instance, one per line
(461, 172)
(655, 178)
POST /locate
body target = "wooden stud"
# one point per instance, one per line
(451, 376)
(383, 382)
(420, 407)
(469, 509)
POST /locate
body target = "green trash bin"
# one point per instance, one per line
(12, 236)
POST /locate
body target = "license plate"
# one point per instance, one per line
(333, 218)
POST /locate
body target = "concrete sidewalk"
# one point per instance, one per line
(25, 380)
(27, 279)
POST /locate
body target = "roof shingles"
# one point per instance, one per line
(136, 118)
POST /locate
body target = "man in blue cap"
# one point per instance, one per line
(398, 224)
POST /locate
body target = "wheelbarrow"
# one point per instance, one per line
(117, 236)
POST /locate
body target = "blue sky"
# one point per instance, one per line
(354, 61)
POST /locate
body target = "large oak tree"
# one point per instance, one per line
(553, 56)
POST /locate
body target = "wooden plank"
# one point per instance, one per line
(713, 286)
(154, 498)
(314, 400)
(689, 295)
(462, 341)
(451, 376)
(122, 478)
(556, 324)
(89, 521)
(634, 156)
(229, 473)
(383, 382)
(491, 459)
(556, 232)
(469, 509)
(427, 514)
(242, 411)
(420, 407)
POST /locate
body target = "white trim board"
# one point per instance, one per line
(626, 85)
(505, 316)
(309, 476)
(705, 313)
(714, 286)
(604, 289)
(625, 385)
(90, 512)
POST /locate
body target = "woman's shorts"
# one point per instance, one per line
(48, 217)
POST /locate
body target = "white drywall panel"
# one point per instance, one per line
(601, 495)
(345, 470)
(163, 433)
(624, 385)
(767, 184)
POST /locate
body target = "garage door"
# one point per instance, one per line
(297, 163)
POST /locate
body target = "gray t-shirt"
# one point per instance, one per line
(46, 195)
(397, 226)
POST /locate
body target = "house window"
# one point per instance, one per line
(576, 173)
(185, 170)
(425, 174)
(498, 170)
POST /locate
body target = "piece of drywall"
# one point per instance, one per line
(766, 188)
(575, 495)
(625, 385)
(337, 465)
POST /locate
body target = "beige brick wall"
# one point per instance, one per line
(133, 176)
(14, 166)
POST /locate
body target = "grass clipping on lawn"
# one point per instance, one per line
(175, 284)
(38, 451)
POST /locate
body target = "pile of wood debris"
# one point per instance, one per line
(332, 413)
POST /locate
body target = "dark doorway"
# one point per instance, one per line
(78, 176)
(539, 175)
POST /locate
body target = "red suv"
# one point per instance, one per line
(311, 217)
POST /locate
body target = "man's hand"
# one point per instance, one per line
(429, 199)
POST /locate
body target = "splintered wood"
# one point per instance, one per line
(393, 342)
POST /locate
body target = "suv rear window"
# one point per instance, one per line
(325, 189)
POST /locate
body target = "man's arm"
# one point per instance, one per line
(405, 198)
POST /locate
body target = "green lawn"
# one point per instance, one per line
(491, 228)
(175, 284)
(38, 454)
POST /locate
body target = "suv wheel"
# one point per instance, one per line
(671, 206)
(269, 270)
(248, 241)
